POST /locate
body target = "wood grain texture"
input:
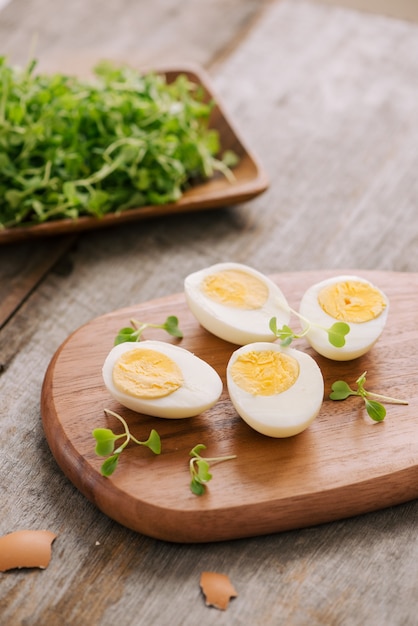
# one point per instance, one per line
(336, 130)
(402, 9)
(66, 36)
(325, 473)
(21, 269)
(339, 141)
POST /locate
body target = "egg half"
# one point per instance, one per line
(351, 299)
(277, 391)
(160, 379)
(235, 302)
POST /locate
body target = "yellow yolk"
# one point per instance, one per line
(351, 301)
(236, 288)
(146, 374)
(265, 373)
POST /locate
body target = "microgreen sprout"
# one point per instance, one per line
(336, 332)
(375, 409)
(134, 332)
(106, 440)
(199, 468)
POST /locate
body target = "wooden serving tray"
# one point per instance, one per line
(250, 178)
(342, 465)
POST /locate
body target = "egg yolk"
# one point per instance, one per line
(236, 288)
(146, 374)
(351, 301)
(265, 373)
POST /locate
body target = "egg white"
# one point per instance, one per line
(201, 389)
(284, 414)
(236, 325)
(358, 341)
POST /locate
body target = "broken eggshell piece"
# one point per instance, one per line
(218, 589)
(26, 548)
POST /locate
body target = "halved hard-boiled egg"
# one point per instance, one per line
(350, 299)
(236, 302)
(160, 379)
(277, 391)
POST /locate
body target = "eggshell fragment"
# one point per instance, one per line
(218, 589)
(26, 548)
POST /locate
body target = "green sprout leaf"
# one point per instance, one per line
(105, 443)
(199, 468)
(197, 449)
(285, 333)
(273, 325)
(375, 410)
(337, 333)
(340, 390)
(126, 334)
(134, 332)
(171, 325)
(153, 442)
(109, 466)
(361, 381)
(203, 471)
(197, 487)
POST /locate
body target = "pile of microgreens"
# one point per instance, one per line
(73, 148)
(375, 409)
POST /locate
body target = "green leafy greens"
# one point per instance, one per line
(70, 148)
(106, 440)
(134, 332)
(336, 332)
(375, 409)
(199, 468)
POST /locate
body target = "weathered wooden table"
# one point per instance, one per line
(326, 97)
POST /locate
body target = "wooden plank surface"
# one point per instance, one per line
(323, 474)
(327, 98)
(401, 9)
(80, 34)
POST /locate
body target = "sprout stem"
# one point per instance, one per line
(378, 396)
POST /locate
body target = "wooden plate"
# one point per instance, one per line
(250, 180)
(342, 465)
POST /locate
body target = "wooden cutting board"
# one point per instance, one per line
(342, 465)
